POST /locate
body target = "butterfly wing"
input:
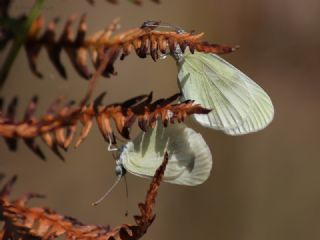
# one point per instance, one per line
(239, 105)
(190, 159)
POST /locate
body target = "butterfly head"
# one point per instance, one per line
(120, 170)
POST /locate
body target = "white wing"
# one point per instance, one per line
(190, 159)
(238, 104)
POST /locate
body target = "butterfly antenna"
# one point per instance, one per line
(127, 195)
(107, 193)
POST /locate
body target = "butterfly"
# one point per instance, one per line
(190, 159)
(189, 163)
(239, 105)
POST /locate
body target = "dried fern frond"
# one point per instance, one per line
(58, 126)
(22, 222)
(80, 47)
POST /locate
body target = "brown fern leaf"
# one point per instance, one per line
(22, 222)
(58, 126)
(144, 41)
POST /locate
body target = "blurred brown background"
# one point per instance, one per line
(264, 185)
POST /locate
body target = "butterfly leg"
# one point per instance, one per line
(110, 147)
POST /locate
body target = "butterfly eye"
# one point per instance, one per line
(120, 171)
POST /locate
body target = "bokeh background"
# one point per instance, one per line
(263, 186)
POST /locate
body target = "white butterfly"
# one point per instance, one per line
(190, 159)
(239, 105)
(189, 163)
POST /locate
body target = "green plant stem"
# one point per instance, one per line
(20, 39)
